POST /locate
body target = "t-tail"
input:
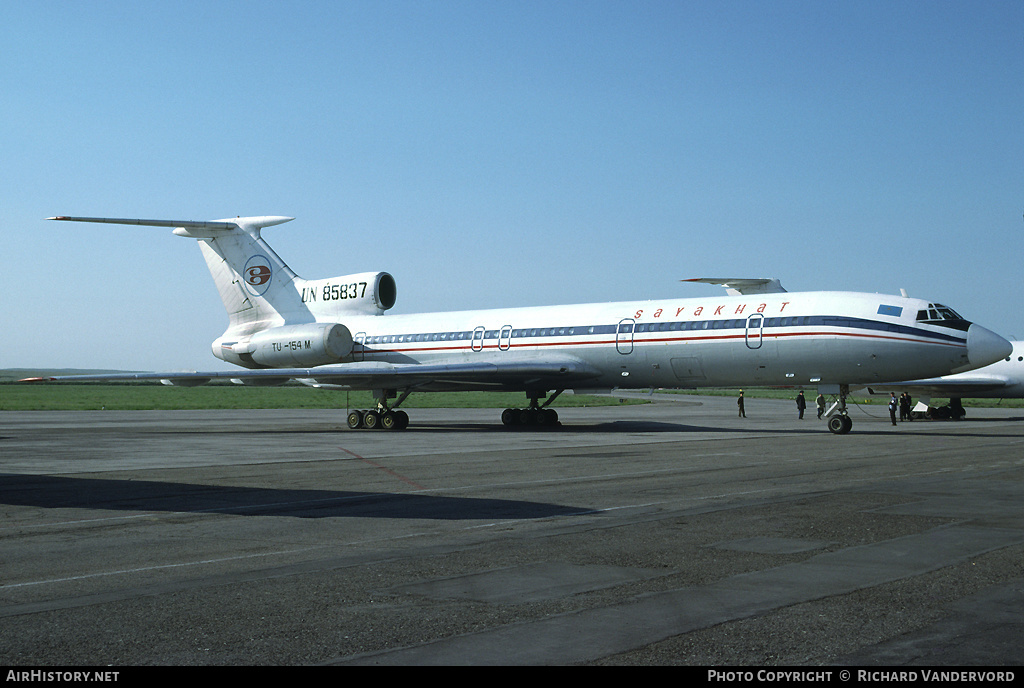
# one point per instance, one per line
(270, 308)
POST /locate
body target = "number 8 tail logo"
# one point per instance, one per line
(257, 274)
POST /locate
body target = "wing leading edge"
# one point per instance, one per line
(541, 373)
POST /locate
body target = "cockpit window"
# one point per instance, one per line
(938, 314)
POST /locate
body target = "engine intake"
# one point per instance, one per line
(366, 293)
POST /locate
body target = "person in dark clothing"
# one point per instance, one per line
(739, 402)
(801, 404)
(893, 403)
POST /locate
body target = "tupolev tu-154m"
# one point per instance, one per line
(334, 333)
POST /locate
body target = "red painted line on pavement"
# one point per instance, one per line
(384, 468)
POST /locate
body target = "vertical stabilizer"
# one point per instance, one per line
(255, 285)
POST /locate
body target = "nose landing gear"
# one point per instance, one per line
(839, 422)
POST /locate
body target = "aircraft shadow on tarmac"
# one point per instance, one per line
(54, 492)
(952, 428)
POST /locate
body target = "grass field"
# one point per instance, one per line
(64, 396)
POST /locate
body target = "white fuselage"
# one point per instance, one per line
(792, 338)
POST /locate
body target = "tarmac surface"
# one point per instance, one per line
(631, 535)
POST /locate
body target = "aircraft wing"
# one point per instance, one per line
(735, 286)
(495, 374)
(954, 386)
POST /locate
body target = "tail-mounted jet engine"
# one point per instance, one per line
(365, 293)
(290, 346)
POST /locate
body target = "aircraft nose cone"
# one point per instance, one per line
(985, 347)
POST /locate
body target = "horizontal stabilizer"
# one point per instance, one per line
(196, 229)
(737, 286)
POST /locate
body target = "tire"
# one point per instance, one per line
(837, 425)
(355, 420)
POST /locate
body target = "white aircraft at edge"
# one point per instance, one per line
(331, 333)
(1002, 380)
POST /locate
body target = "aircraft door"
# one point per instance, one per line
(755, 331)
(478, 339)
(358, 348)
(505, 338)
(624, 336)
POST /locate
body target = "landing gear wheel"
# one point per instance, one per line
(380, 419)
(529, 418)
(840, 425)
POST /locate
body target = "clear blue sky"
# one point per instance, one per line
(495, 154)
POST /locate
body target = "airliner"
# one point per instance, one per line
(334, 333)
(1003, 379)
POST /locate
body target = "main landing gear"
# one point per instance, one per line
(384, 417)
(839, 422)
(532, 416)
(536, 416)
(378, 419)
(388, 417)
